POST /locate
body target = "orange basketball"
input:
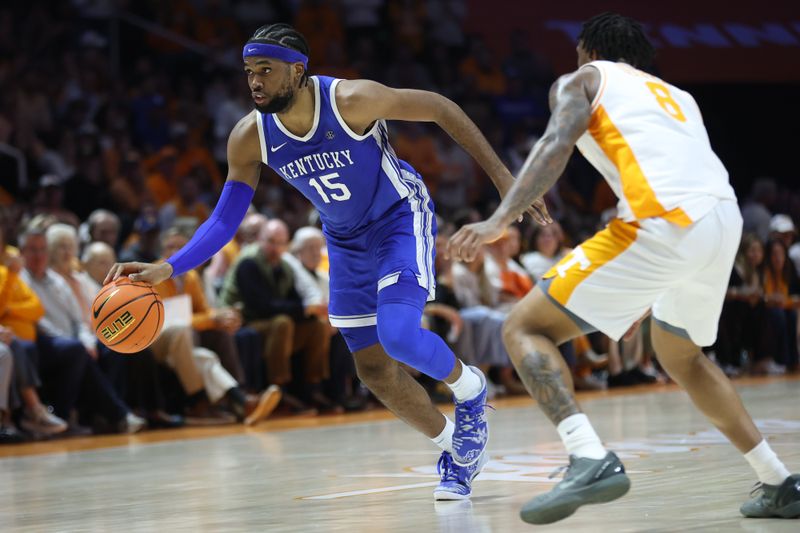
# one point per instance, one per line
(127, 315)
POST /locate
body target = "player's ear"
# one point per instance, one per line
(298, 70)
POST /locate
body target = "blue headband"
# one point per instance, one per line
(276, 52)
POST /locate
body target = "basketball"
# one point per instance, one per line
(127, 316)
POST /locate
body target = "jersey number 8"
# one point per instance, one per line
(665, 100)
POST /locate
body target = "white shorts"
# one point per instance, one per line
(612, 279)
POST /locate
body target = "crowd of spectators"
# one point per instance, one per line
(121, 128)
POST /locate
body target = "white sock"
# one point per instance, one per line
(579, 437)
(468, 385)
(444, 440)
(768, 467)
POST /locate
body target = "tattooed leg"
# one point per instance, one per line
(530, 335)
(543, 378)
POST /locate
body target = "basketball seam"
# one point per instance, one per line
(109, 287)
(131, 332)
(99, 322)
(159, 322)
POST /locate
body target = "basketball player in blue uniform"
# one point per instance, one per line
(328, 139)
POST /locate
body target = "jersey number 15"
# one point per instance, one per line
(337, 191)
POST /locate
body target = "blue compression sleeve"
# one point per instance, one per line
(399, 312)
(217, 231)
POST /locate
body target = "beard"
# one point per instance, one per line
(279, 102)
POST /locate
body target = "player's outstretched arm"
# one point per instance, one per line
(244, 157)
(362, 102)
(570, 104)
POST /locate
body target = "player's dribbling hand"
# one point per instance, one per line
(152, 273)
(466, 242)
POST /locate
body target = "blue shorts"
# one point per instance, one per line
(403, 240)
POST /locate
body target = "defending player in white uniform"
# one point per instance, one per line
(670, 251)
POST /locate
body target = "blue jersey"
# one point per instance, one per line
(351, 179)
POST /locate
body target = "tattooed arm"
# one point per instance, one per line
(570, 104)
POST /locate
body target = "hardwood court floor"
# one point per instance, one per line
(370, 473)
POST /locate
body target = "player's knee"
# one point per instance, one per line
(397, 338)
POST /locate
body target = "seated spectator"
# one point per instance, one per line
(101, 226)
(470, 284)
(313, 285)
(474, 332)
(304, 256)
(509, 281)
(548, 249)
(19, 311)
(757, 208)
(97, 260)
(216, 325)
(62, 246)
(8, 433)
(744, 304)
(781, 227)
(199, 369)
(782, 299)
(262, 284)
(215, 272)
(37, 419)
(145, 245)
(143, 386)
(66, 342)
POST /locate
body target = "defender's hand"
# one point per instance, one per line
(538, 211)
(464, 245)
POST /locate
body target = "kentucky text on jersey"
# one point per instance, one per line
(314, 163)
(352, 178)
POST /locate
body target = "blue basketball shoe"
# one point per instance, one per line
(456, 481)
(472, 429)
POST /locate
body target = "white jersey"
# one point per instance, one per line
(648, 140)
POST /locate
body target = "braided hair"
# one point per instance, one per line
(283, 35)
(615, 37)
